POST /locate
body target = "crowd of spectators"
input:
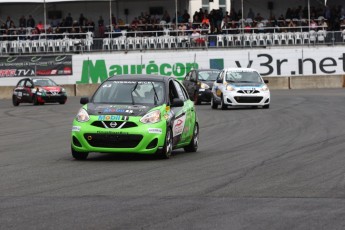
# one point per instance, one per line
(28, 28)
(214, 22)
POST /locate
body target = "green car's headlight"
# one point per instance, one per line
(82, 116)
(151, 117)
(63, 90)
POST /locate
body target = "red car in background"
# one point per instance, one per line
(38, 91)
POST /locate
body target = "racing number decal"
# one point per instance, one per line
(179, 125)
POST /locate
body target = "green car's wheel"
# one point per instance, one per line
(79, 155)
(167, 148)
(222, 105)
(15, 101)
(214, 105)
(34, 100)
(194, 142)
(62, 102)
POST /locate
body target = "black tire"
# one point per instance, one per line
(79, 155)
(62, 102)
(214, 105)
(266, 106)
(222, 105)
(194, 142)
(165, 153)
(34, 100)
(15, 101)
(196, 99)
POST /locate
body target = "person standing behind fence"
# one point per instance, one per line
(31, 22)
(101, 26)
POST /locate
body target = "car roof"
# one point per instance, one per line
(240, 69)
(208, 70)
(136, 77)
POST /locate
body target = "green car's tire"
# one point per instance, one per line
(79, 155)
(194, 142)
(165, 153)
(15, 101)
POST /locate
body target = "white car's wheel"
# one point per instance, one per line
(222, 105)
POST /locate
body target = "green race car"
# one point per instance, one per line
(144, 114)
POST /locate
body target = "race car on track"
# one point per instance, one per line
(198, 84)
(143, 114)
(240, 87)
(38, 91)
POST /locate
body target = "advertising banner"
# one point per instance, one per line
(29, 66)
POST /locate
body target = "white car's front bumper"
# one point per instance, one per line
(234, 98)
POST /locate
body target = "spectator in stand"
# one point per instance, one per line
(195, 36)
(251, 14)
(101, 28)
(185, 17)
(40, 27)
(8, 22)
(166, 17)
(196, 17)
(323, 25)
(22, 21)
(31, 22)
(313, 25)
(113, 20)
(69, 20)
(82, 20)
(117, 31)
(258, 17)
(22, 34)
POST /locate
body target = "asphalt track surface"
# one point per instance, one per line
(281, 168)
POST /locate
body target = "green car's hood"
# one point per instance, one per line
(118, 109)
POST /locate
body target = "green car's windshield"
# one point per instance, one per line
(130, 92)
(243, 77)
(209, 75)
(44, 82)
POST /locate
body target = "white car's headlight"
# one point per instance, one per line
(230, 88)
(151, 117)
(264, 88)
(204, 86)
(82, 116)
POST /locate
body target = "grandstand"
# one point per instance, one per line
(74, 26)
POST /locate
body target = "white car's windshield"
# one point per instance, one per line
(243, 77)
(130, 92)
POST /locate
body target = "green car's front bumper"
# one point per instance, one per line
(133, 137)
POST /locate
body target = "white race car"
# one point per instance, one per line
(240, 87)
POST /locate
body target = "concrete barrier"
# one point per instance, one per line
(316, 82)
(85, 90)
(278, 82)
(70, 90)
(6, 92)
(294, 82)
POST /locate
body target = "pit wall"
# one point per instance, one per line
(295, 82)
